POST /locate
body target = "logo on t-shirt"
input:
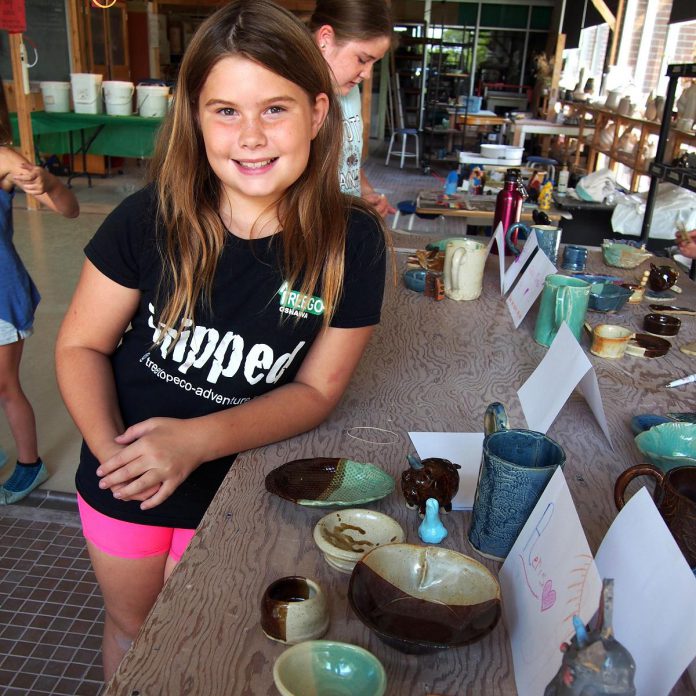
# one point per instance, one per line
(297, 304)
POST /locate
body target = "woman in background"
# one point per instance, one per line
(352, 36)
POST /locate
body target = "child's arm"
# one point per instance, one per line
(160, 453)
(98, 315)
(40, 183)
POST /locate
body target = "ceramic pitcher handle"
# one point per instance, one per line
(629, 475)
(495, 418)
(508, 236)
(559, 311)
(454, 267)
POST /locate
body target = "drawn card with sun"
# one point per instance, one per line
(548, 577)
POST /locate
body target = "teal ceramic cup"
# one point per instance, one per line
(516, 466)
(562, 299)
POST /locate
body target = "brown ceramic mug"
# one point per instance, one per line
(675, 498)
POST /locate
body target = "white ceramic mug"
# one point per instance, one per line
(465, 260)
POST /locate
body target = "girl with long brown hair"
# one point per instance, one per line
(353, 35)
(18, 300)
(223, 307)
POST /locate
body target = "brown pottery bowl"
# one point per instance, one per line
(419, 599)
(661, 324)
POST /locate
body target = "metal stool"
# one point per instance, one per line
(403, 133)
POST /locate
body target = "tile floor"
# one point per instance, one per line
(51, 613)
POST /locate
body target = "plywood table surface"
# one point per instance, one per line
(431, 366)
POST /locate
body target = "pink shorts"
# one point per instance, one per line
(131, 540)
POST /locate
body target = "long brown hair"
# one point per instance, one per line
(356, 20)
(313, 213)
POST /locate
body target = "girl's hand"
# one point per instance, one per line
(158, 455)
(380, 203)
(30, 178)
(687, 243)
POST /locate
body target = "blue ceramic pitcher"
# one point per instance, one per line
(516, 466)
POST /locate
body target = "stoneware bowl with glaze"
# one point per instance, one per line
(661, 324)
(647, 346)
(669, 445)
(328, 668)
(607, 297)
(414, 279)
(421, 599)
(345, 536)
(294, 609)
(622, 255)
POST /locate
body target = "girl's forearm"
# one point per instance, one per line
(287, 411)
(61, 199)
(86, 382)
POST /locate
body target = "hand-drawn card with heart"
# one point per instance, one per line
(548, 577)
(528, 287)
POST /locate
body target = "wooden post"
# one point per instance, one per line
(77, 48)
(26, 136)
(616, 35)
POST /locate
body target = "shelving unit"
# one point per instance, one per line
(660, 170)
(409, 65)
(601, 120)
(446, 81)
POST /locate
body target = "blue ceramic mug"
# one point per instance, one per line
(516, 466)
(548, 238)
(574, 258)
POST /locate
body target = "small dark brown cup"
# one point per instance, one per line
(661, 324)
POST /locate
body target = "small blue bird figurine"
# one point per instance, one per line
(431, 529)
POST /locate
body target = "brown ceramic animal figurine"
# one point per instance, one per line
(430, 478)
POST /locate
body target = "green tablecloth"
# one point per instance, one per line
(120, 136)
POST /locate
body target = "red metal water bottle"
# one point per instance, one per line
(508, 204)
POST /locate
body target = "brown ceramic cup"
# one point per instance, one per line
(675, 498)
(294, 609)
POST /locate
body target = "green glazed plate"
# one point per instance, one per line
(329, 482)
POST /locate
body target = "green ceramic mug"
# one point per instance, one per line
(562, 299)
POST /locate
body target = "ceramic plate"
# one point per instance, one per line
(329, 482)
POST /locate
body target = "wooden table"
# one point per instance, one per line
(430, 366)
(521, 128)
(479, 210)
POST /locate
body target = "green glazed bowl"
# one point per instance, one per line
(328, 668)
(669, 445)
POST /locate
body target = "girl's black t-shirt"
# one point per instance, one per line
(251, 339)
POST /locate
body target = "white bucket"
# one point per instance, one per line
(56, 96)
(118, 97)
(86, 91)
(152, 100)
